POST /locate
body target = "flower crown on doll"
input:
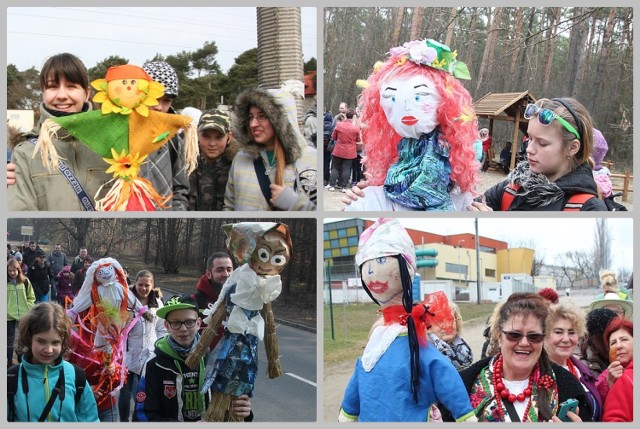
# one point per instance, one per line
(434, 54)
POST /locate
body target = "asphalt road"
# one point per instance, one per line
(292, 396)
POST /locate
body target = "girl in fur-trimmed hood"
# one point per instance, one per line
(271, 144)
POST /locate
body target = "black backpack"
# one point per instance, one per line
(12, 387)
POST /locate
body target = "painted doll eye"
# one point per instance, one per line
(278, 260)
(263, 255)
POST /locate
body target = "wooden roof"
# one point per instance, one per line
(504, 106)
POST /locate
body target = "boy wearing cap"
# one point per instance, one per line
(207, 183)
(166, 168)
(169, 390)
(41, 277)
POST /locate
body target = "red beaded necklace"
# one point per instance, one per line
(502, 392)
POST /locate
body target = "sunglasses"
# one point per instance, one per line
(546, 116)
(533, 337)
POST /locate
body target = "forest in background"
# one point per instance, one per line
(202, 83)
(580, 52)
(171, 244)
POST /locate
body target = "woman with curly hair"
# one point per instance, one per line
(521, 383)
(418, 132)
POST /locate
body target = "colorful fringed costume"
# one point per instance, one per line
(101, 314)
(124, 132)
(263, 249)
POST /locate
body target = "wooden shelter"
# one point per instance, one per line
(506, 106)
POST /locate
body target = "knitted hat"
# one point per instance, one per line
(18, 256)
(162, 72)
(386, 237)
(214, 119)
(598, 319)
(66, 269)
(178, 302)
(613, 299)
(39, 252)
(600, 148)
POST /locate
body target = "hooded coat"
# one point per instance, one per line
(243, 189)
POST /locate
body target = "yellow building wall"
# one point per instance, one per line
(518, 260)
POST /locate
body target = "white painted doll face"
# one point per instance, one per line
(382, 277)
(410, 105)
(270, 255)
(106, 274)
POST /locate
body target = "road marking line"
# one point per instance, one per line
(301, 379)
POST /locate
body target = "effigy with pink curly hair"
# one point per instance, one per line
(419, 126)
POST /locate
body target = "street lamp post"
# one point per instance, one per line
(458, 246)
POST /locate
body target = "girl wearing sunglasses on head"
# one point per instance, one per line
(520, 383)
(557, 174)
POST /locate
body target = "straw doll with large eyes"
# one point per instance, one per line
(262, 249)
(418, 130)
(399, 376)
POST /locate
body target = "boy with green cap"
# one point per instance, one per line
(168, 389)
(217, 149)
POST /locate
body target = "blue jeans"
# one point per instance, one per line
(109, 414)
(127, 392)
(42, 298)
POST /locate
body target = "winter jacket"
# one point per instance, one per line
(29, 256)
(347, 135)
(41, 381)
(311, 126)
(243, 189)
(578, 181)
(37, 188)
(568, 387)
(41, 278)
(78, 279)
(20, 298)
(57, 261)
(167, 171)
(168, 389)
(588, 380)
(618, 406)
(141, 341)
(64, 288)
(208, 182)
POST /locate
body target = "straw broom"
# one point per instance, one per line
(271, 342)
(206, 337)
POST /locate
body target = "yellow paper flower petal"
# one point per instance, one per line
(100, 97)
(124, 165)
(99, 84)
(143, 110)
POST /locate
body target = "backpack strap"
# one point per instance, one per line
(508, 195)
(81, 382)
(12, 388)
(576, 201)
(263, 179)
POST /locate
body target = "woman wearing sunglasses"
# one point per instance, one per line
(520, 383)
(566, 326)
(557, 174)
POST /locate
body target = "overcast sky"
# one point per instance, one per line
(550, 237)
(137, 34)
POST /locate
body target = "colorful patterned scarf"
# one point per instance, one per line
(420, 177)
